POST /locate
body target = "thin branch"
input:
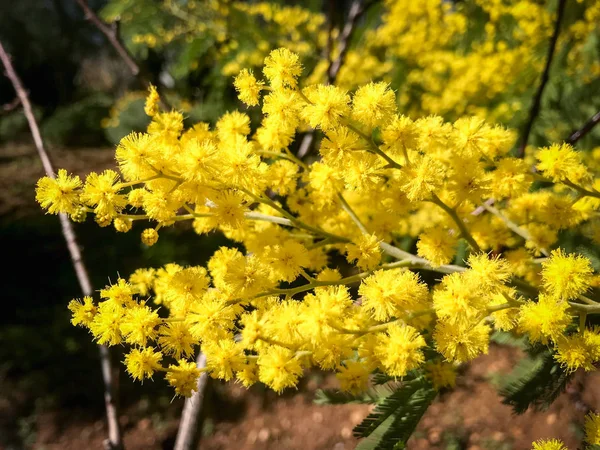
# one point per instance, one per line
(114, 441)
(8, 107)
(111, 35)
(585, 129)
(535, 106)
(357, 9)
(188, 424)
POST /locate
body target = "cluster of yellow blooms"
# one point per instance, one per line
(269, 313)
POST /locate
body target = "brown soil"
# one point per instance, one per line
(470, 417)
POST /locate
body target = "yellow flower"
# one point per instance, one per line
(548, 444)
(279, 368)
(353, 376)
(566, 276)
(329, 104)
(544, 320)
(441, 374)
(60, 194)
(183, 377)
(399, 349)
(592, 428)
(560, 162)
(152, 102)
(574, 352)
(248, 87)
(437, 245)
(459, 343)
(83, 311)
(374, 104)
(365, 252)
(282, 68)
(142, 363)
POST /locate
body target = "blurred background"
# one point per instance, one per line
(86, 98)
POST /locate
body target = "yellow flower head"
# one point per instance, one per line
(441, 374)
(365, 252)
(544, 320)
(437, 245)
(142, 363)
(458, 343)
(353, 376)
(279, 368)
(329, 104)
(248, 87)
(374, 104)
(83, 311)
(60, 194)
(282, 68)
(548, 444)
(566, 276)
(399, 349)
(183, 377)
(560, 162)
(592, 428)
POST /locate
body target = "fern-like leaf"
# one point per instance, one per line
(395, 418)
(535, 382)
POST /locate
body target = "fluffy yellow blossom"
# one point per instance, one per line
(183, 377)
(437, 245)
(544, 320)
(389, 293)
(142, 363)
(560, 162)
(399, 349)
(353, 376)
(60, 194)
(151, 106)
(548, 444)
(83, 311)
(592, 428)
(459, 343)
(279, 368)
(328, 105)
(441, 374)
(574, 352)
(364, 251)
(374, 104)
(566, 276)
(282, 68)
(248, 87)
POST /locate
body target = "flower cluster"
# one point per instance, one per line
(285, 304)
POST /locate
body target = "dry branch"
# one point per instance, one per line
(114, 441)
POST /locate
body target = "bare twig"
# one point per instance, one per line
(8, 107)
(585, 129)
(111, 35)
(114, 441)
(188, 424)
(535, 106)
(357, 9)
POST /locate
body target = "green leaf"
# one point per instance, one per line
(392, 422)
(535, 382)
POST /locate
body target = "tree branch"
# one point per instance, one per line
(535, 106)
(585, 129)
(111, 35)
(114, 441)
(357, 9)
(188, 424)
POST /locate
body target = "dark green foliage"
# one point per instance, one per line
(336, 397)
(396, 416)
(536, 382)
(508, 338)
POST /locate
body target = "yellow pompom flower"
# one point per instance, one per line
(282, 68)
(459, 343)
(329, 104)
(149, 236)
(228, 208)
(122, 225)
(106, 325)
(389, 293)
(574, 352)
(422, 177)
(544, 320)
(139, 325)
(490, 273)
(441, 374)
(176, 339)
(365, 252)
(232, 123)
(279, 368)
(548, 444)
(142, 280)
(566, 276)
(560, 162)
(437, 245)
(399, 349)
(224, 358)
(353, 376)
(183, 377)
(60, 194)
(374, 104)
(142, 363)
(152, 102)
(83, 311)
(287, 260)
(592, 428)
(248, 87)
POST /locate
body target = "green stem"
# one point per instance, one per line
(346, 207)
(464, 232)
(584, 192)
